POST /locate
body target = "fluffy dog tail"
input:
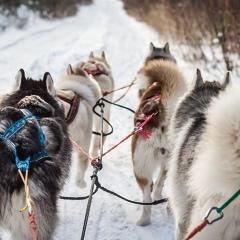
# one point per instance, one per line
(85, 86)
(217, 167)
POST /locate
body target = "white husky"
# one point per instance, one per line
(99, 68)
(73, 85)
(205, 167)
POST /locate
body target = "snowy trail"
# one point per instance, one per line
(49, 46)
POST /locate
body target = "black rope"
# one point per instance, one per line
(98, 104)
(118, 105)
(104, 119)
(78, 198)
(99, 186)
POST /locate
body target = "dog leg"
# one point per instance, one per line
(146, 187)
(82, 167)
(96, 139)
(158, 186)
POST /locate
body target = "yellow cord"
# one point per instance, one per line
(28, 199)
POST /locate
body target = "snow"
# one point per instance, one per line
(43, 45)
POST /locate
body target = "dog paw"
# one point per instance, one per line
(144, 221)
(81, 183)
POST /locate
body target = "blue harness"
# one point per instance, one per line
(24, 165)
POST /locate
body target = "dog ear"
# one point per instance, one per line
(166, 48)
(47, 79)
(199, 80)
(103, 55)
(227, 80)
(91, 55)
(151, 47)
(20, 79)
(69, 70)
(80, 72)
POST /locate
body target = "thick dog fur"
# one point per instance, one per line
(204, 168)
(46, 177)
(159, 60)
(106, 83)
(75, 80)
(150, 154)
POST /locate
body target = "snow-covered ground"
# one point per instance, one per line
(49, 46)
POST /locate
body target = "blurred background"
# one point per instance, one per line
(195, 23)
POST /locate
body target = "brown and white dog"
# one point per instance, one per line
(165, 63)
(160, 98)
(78, 93)
(99, 68)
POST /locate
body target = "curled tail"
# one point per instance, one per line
(85, 86)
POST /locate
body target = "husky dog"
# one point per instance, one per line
(160, 98)
(203, 170)
(159, 60)
(78, 93)
(47, 175)
(99, 68)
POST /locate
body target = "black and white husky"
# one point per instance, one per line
(46, 175)
(205, 166)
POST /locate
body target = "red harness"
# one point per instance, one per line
(74, 106)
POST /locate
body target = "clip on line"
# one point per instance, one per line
(218, 210)
(97, 168)
(98, 165)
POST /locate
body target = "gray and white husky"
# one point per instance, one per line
(204, 169)
(47, 174)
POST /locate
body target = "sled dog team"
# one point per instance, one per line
(194, 143)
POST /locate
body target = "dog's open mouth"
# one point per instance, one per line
(94, 69)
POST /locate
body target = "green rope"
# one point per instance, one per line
(229, 201)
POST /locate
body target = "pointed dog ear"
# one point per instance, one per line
(227, 80)
(91, 55)
(166, 48)
(69, 70)
(103, 55)
(80, 72)
(199, 80)
(151, 47)
(20, 79)
(47, 79)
